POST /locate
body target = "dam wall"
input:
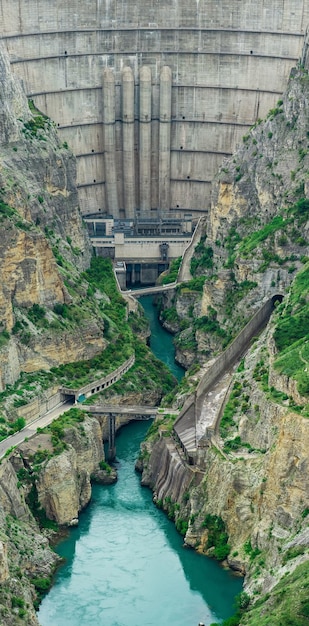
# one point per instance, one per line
(151, 96)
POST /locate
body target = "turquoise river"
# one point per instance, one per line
(125, 564)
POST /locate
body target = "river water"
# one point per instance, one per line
(161, 342)
(125, 564)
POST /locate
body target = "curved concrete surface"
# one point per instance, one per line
(228, 61)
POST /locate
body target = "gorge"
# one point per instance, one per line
(137, 569)
(63, 322)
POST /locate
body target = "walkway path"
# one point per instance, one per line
(31, 428)
(101, 383)
(148, 291)
(103, 409)
(184, 274)
(50, 416)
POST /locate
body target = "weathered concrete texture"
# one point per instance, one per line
(128, 142)
(145, 138)
(167, 475)
(230, 62)
(109, 141)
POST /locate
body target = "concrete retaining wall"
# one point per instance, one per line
(233, 352)
(166, 473)
(52, 398)
(40, 405)
(229, 64)
(101, 383)
(193, 405)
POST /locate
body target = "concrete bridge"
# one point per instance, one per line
(152, 97)
(113, 412)
(149, 291)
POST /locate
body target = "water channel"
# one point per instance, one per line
(161, 342)
(125, 564)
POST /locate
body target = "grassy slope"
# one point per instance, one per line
(288, 604)
(292, 333)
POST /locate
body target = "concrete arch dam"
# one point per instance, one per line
(152, 96)
(200, 415)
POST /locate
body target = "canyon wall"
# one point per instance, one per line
(44, 244)
(32, 477)
(261, 495)
(253, 471)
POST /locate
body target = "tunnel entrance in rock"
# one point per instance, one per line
(277, 299)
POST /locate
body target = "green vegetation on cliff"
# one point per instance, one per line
(202, 259)
(171, 275)
(292, 332)
(148, 375)
(217, 536)
(287, 605)
(74, 417)
(119, 336)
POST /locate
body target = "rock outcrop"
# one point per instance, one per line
(25, 555)
(36, 481)
(63, 480)
(44, 245)
(260, 491)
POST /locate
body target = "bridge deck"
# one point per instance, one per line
(109, 409)
(147, 291)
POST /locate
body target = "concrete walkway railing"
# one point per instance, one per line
(184, 274)
(101, 383)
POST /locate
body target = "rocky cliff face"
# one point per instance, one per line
(266, 490)
(259, 488)
(44, 245)
(64, 499)
(25, 554)
(12, 102)
(46, 320)
(253, 476)
(55, 485)
(254, 239)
